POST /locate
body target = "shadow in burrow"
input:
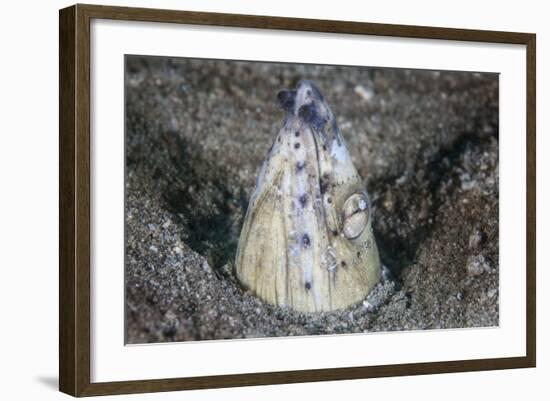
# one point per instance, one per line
(203, 200)
(212, 210)
(406, 212)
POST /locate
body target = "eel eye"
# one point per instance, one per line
(355, 215)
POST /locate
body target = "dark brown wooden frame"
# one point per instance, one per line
(74, 199)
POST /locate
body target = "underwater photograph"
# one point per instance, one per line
(271, 199)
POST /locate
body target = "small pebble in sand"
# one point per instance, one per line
(364, 92)
(477, 265)
(368, 306)
(388, 201)
(475, 239)
(401, 180)
(205, 266)
(467, 182)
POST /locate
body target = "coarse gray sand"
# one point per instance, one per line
(425, 142)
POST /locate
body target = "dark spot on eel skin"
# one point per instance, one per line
(309, 114)
(286, 100)
(324, 183)
(308, 286)
(279, 139)
(343, 263)
(324, 147)
(334, 232)
(296, 145)
(303, 200)
(329, 200)
(297, 133)
(305, 240)
(358, 254)
(300, 165)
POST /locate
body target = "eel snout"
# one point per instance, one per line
(307, 103)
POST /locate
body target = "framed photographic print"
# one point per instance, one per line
(251, 200)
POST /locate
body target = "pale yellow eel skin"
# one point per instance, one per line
(307, 240)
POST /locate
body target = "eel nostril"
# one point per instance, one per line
(287, 99)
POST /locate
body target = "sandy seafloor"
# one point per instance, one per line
(425, 142)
